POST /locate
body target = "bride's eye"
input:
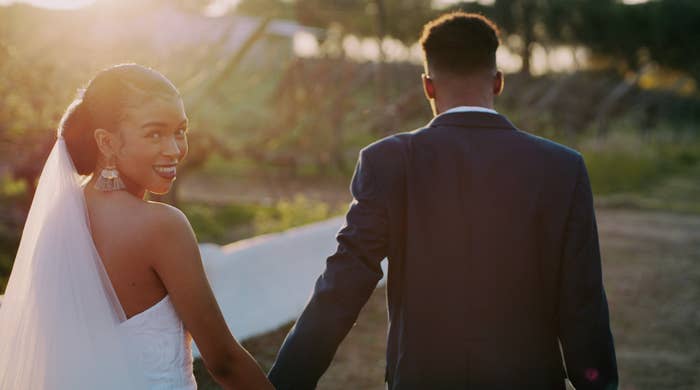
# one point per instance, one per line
(181, 132)
(153, 135)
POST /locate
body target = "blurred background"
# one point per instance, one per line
(282, 94)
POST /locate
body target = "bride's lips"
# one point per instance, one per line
(166, 171)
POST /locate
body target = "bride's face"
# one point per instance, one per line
(154, 141)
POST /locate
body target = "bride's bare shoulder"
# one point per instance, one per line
(158, 213)
(161, 217)
(171, 241)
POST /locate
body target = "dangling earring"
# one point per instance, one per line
(109, 179)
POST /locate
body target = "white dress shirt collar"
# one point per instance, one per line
(469, 109)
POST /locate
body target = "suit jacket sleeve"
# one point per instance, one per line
(350, 277)
(584, 324)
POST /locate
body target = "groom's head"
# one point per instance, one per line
(460, 61)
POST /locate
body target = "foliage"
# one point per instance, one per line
(290, 213)
(11, 222)
(400, 19)
(266, 8)
(630, 35)
(224, 224)
(627, 161)
(311, 118)
(662, 31)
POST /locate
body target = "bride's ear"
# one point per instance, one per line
(106, 143)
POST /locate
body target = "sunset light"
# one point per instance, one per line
(188, 181)
(54, 4)
(216, 7)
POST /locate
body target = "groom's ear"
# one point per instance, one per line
(499, 83)
(428, 87)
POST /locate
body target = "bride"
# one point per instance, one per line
(108, 289)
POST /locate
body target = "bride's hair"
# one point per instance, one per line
(101, 105)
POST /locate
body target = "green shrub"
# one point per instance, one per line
(12, 197)
(217, 223)
(224, 224)
(204, 222)
(287, 214)
(627, 161)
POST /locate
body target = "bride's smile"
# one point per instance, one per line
(152, 141)
(166, 171)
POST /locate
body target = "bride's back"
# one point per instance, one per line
(122, 229)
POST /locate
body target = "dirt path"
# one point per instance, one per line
(652, 276)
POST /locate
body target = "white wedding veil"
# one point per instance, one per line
(59, 319)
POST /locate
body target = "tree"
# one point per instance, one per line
(664, 32)
(275, 9)
(399, 19)
(523, 23)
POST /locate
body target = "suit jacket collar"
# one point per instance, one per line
(472, 119)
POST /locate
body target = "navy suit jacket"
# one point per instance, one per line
(491, 241)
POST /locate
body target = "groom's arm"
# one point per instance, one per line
(350, 277)
(584, 324)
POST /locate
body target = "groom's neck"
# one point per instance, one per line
(455, 92)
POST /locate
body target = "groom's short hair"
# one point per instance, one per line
(460, 43)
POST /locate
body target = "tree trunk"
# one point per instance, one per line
(528, 35)
(381, 82)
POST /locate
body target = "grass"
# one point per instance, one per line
(11, 198)
(232, 222)
(221, 224)
(678, 193)
(653, 172)
(625, 162)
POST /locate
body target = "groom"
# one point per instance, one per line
(494, 275)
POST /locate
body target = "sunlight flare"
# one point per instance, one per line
(53, 4)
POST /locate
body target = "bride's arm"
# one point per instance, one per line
(178, 264)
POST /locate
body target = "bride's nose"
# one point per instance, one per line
(170, 147)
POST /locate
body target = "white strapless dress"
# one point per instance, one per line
(161, 347)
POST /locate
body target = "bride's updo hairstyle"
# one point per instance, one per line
(102, 105)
